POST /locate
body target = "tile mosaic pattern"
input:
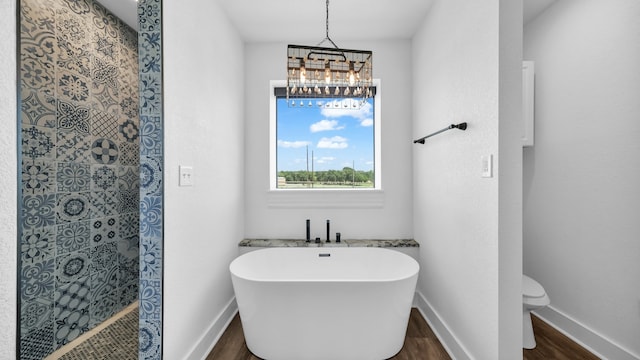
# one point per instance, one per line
(150, 136)
(80, 136)
(117, 341)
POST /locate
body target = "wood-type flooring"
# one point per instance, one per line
(420, 344)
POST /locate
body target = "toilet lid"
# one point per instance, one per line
(531, 288)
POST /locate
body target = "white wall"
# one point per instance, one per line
(392, 65)
(203, 92)
(8, 182)
(581, 197)
(467, 69)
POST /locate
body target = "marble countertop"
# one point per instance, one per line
(344, 243)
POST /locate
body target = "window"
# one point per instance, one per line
(321, 144)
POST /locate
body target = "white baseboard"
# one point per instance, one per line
(208, 340)
(451, 344)
(581, 334)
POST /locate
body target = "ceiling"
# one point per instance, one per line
(303, 21)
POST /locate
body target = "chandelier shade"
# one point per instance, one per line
(321, 72)
(324, 72)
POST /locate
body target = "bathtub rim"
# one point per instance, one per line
(409, 274)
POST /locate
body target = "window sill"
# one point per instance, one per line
(325, 199)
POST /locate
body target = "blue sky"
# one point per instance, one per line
(337, 136)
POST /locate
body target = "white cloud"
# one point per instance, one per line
(336, 142)
(293, 144)
(325, 125)
(366, 122)
(325, 159)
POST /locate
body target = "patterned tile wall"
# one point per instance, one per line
(151, 191)
(80, 170)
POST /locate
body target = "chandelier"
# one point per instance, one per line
(315, 72)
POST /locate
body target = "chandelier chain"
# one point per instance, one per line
(327, 22)
(327, 38)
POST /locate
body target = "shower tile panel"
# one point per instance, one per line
(150, 93)
(72, 237)
(150, 291)
(38, 211)
(128, 178)
(128, 200)
(130, 156)
(35, 314)
(128, 131)
(128, 292)
(102, 307)
(74, 117)
(150, 217)
(150, 338)
(80, 159)
(105, 23)
(72, 267)
(73, 207)
(104, 124)
(104, 203)
(129, 225)
(150, 258)
(38, 343)
(38, 244)
(128, 271)
(71, 28)
(151, 136)
(107, 47)
(72, 87)
(74, 55)
(151, 195)
(151, 62)
(37, 48)
(38, 177)
(73, 177)
(73, 147)
(150, 177)
(38, 143)
(38, 279)
(104, 151)
(71, 311)
(104, 230)
(38, 109)
(103, 177)
(104, 257)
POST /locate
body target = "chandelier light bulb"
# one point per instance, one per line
(352, 75)
(327, 73)
(303, 72)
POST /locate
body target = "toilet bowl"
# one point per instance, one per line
(533, 297)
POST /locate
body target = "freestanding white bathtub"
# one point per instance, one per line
(324, 303)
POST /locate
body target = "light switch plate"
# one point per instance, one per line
(487, 166)
(186, 175)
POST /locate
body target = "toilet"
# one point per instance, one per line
(533, 297)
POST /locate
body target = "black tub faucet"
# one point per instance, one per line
(308, 230)
(328, 226)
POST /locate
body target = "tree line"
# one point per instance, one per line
(346, 175)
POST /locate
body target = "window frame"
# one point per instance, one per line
(273, 145)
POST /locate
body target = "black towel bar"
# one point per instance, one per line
(461, 126)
